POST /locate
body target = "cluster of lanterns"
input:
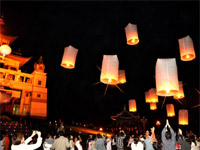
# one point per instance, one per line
(167, 83)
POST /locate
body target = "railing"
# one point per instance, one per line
(7, 75)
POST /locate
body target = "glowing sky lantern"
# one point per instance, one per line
(131, 34)
(166, 77)
(183, 117)
(170, 110)
(121, 77)
(186, 48)
(180, 93)
(132, 105)
(5, 50)
(69, 57)
(153, 96)
(109, 69)
(147, 99)
(153, 106)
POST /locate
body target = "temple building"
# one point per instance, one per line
(21, 93)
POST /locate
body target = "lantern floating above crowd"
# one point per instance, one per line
(186, 48)
(5, 50)
(69, 57)
(121, 77)
(147, 99)
(131, 34)
(132, 105)
(153, 96)
(153, 106)
(180, 93)
(166, 77)
(110, 69)
(183, 117)
(170, 110)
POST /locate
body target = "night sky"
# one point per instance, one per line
(97, 28)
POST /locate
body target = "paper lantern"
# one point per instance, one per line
(5, 50)
(132, 105)
(170, 110)
(180, 93)
(186, 47)
(121, 77)
(183, 117)
(153, 106)
(153, 96)
(131, 34)
(147, 99)
(109, 69)
(166, 77)
(69, 57)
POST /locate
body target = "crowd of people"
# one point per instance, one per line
(169, 141)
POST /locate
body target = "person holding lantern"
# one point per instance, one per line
(168, 137)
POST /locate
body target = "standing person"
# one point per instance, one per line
(77, 142)
(194, 145)
(168, 138)
(100, 142)
(61, 143)
(18, 142)
(136, 144)
(108, 145)
(114, 145)
(149, 139)
(7, 142)
(48, 142)
(2, 142)
(130, 141)
(71, 143)
(120, 140)
(184, 145)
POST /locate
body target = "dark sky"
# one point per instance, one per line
(97, 28)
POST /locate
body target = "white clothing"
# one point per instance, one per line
(138, 146)
(46, 146)
(2, 142)
(90, 145)
(25, 145)
(108, 145)
(78, 145)
(194, 147)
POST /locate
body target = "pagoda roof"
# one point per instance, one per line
(7, 39)
(125, 116)
(22, 60)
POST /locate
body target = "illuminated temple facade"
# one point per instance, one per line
(21, 93)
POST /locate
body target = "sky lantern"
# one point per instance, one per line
(170, 110)
(180, 93)
(121, 77)
(166, 77)
(153, 106)
(153, 96)
(186, 48)
(109, 69)
(132, 105)
(69, 57)
(131, 34)
(183, 117)
(147, 100)
(5, 50)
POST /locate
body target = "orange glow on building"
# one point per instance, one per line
(110, 69)
(186, 48)
(166, 77)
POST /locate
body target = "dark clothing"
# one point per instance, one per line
(184, 145)
(168, 144)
